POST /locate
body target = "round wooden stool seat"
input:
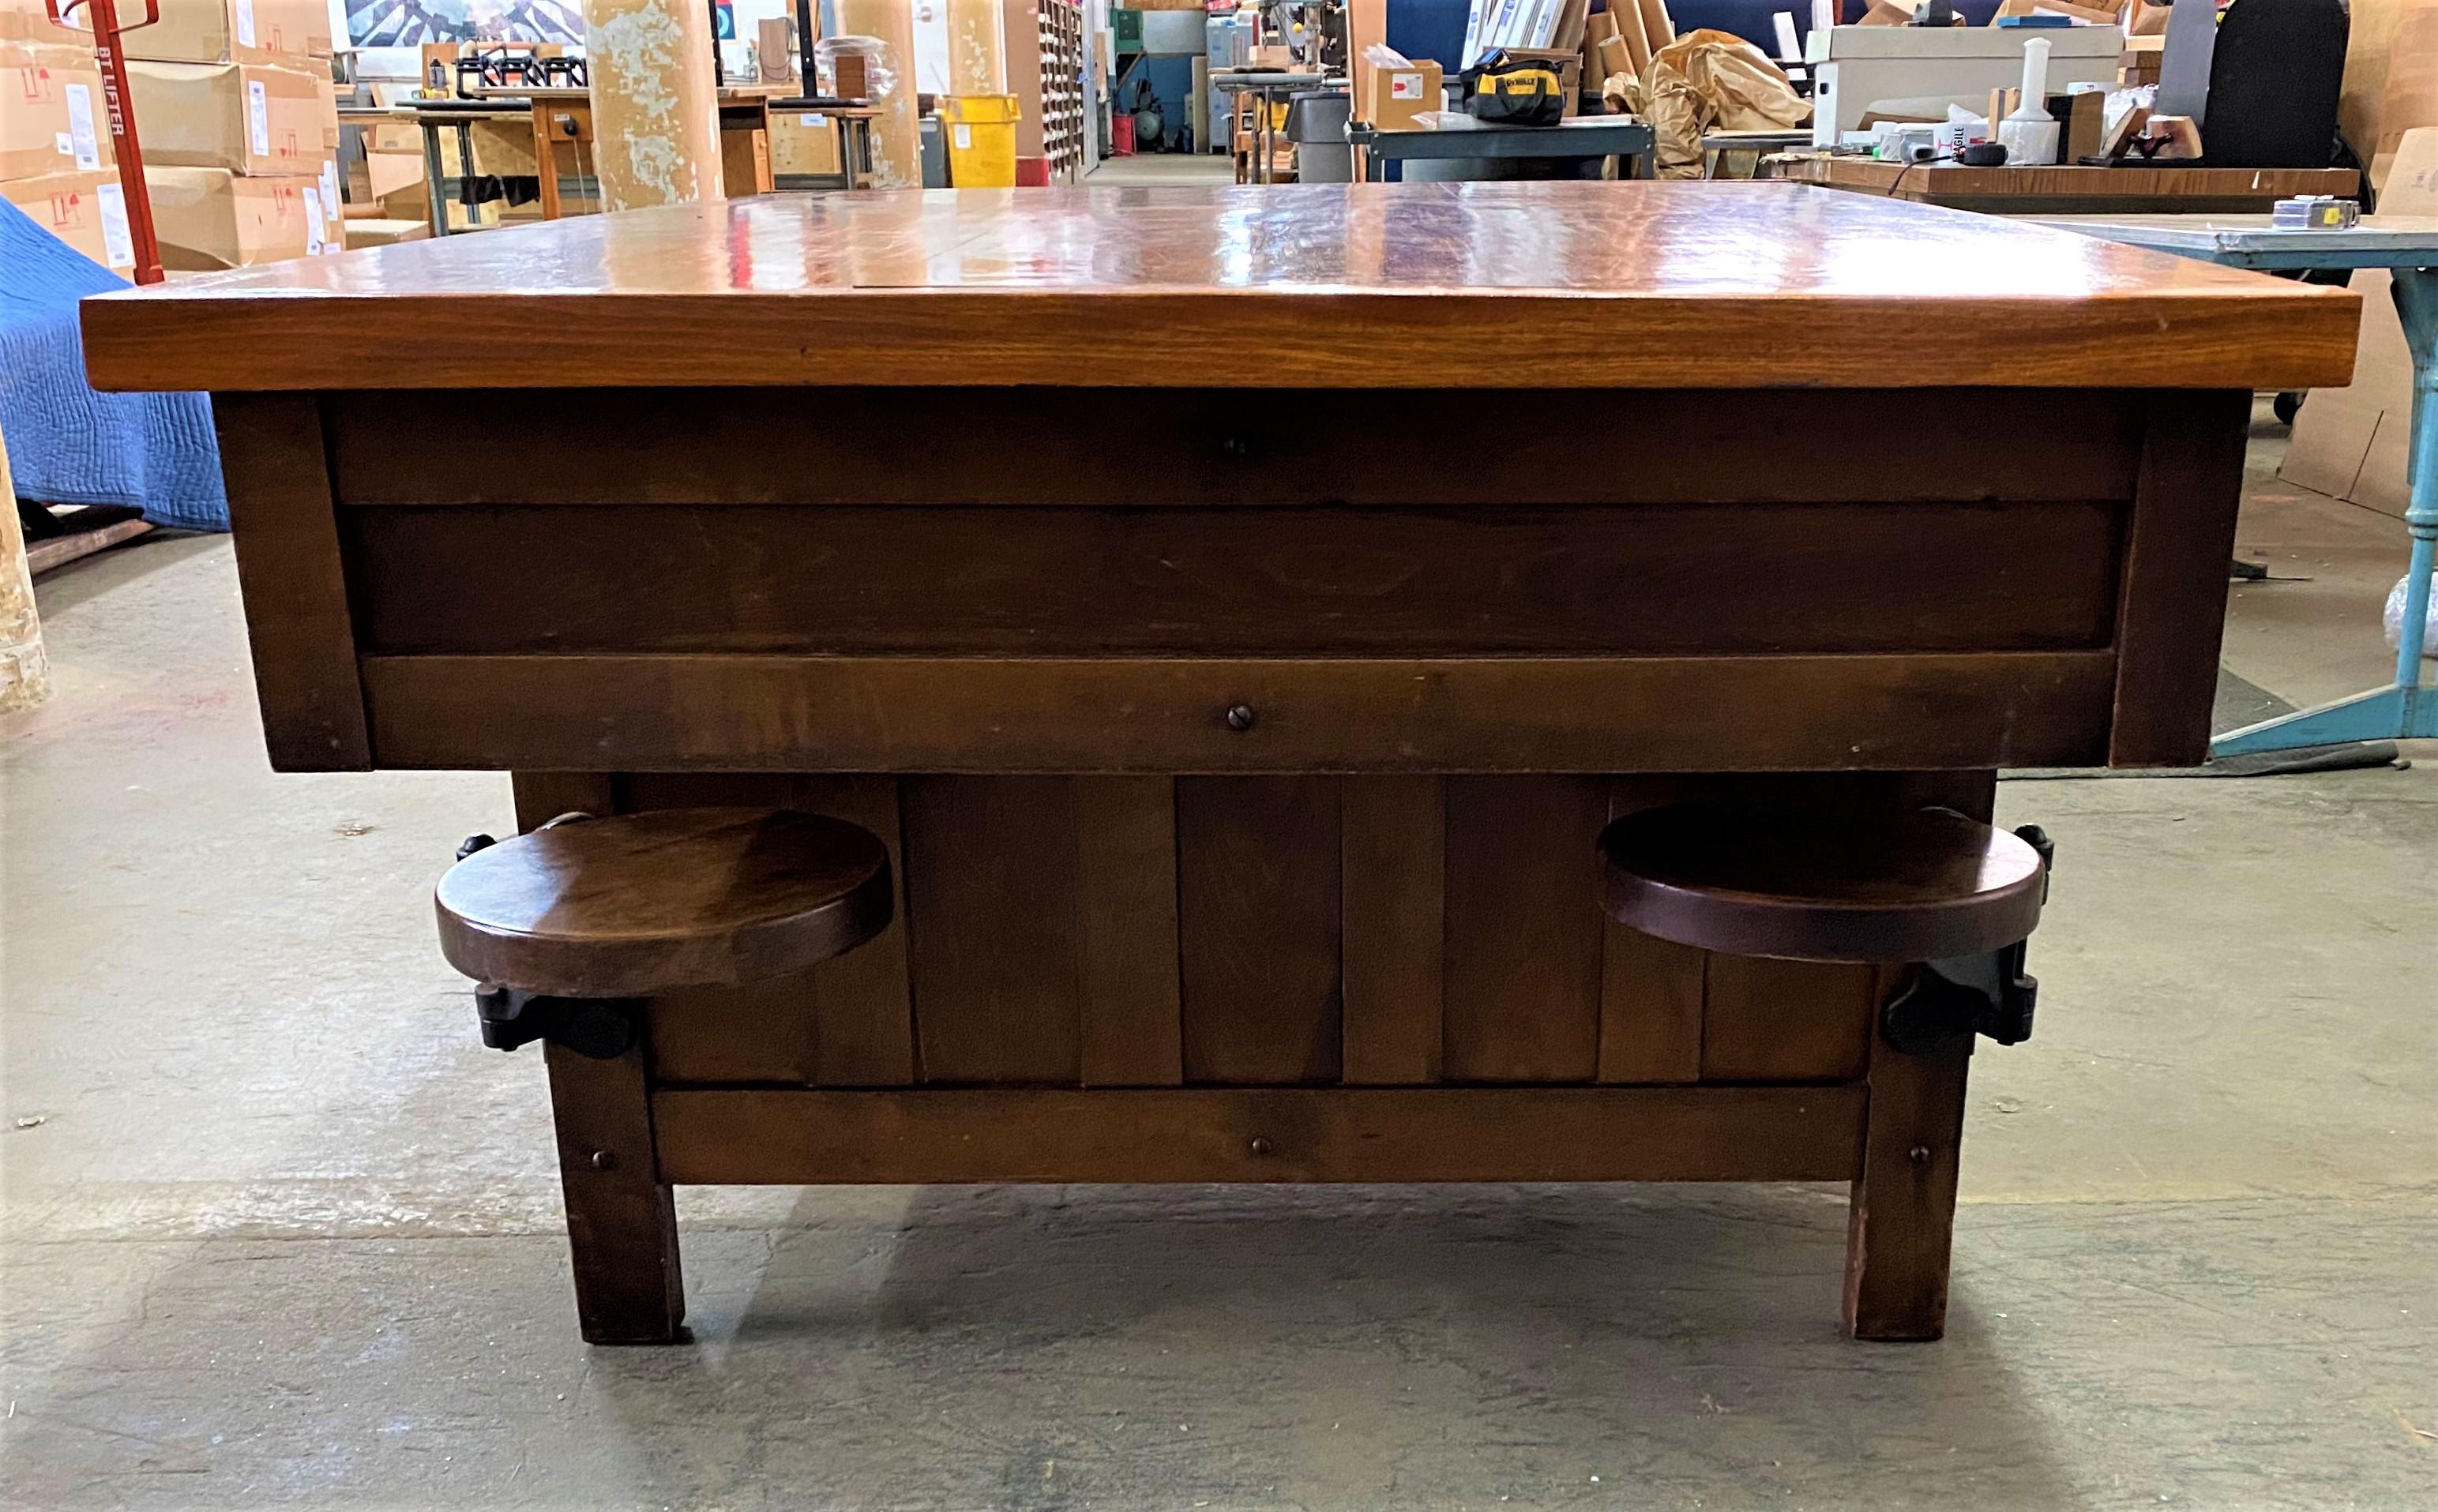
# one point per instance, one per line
(638, 904)
(1884, 889)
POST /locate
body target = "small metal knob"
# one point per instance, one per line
(1236, 447)
(1240, 716)
(1261, 1147)
(604, 1160)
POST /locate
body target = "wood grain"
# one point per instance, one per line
(2174, 612)
(1524, 928)
(1667, 285)
(1901, 1222)
(1274, 1134)
(1481, 714)
(1652, 993)
(2072, 188)
(1126, 839)
(1258, 897)
(1487, 579)
(1223, 448)
(991, 889)
(622, 1227)
(1393, 961)
(297, 622)
(1765, 1020)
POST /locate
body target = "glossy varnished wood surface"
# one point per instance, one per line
(634, 905)
(1580, 285)
(1822, 886)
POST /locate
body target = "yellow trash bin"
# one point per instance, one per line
(981, 140)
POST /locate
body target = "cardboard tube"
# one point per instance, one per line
(655, 109)
(977, 48)
(897, 146)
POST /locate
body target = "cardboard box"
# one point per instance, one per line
(214, 217)
(803, 142)
(28, 21)
(416, 204)
(386, 232)
(2409, 100)
(1396, 93)
(286, 32)
(88, 211)
(244, 117)
(2353, 443)
(52, 116)
(375, 176)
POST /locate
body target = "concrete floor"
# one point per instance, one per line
(278, 1232)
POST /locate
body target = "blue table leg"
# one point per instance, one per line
(2406, 709)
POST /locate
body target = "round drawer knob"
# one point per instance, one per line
(1240, 716)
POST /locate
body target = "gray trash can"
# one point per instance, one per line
(1316, 126)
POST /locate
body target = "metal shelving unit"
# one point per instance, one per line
(1062, 88)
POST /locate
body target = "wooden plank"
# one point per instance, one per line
(1901, 1227)
(622, 1227)
(1206, 448)
(1258, 894)
(1651, 1008)
(295, 588)
(1274, 1134)
(1766, 1020)
(1482, 714)
(1125, 840)
(2174, 612)
(1524, 928)
(991, 891)
(1040, 287)
(1712, 579)
(863, 1001)
(54, 551)
(541, 797)
(1391, 956)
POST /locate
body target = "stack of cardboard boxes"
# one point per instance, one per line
(233, 106)
(56, 162)
(241, 133)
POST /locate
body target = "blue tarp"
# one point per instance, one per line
(68, 445)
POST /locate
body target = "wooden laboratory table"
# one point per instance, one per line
(1240, 754)
(2071, 189)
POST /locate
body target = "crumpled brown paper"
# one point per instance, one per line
(1706, 81)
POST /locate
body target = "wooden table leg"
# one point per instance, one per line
(1903, 1216)
(621, 1225)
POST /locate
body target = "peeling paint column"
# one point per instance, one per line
(24, 668)
(654, 108)
(896, 137)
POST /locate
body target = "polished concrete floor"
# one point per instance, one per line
(278, 1232)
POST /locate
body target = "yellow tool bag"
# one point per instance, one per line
(1514, 90)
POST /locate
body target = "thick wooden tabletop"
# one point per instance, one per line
(1666, 285)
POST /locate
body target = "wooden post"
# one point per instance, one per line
(655, 105)
(24, 668)
(1902, 1221)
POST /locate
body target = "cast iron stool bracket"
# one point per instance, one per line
(1987, 993)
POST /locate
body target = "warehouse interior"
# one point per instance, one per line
(558, 487)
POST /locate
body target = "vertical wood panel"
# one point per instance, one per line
(2173, 612)
(1651, 988)
(296, 616)
(863, 1005)
(1393, 892)
(1524, 928)
(1259, 869)
(991, 911)
(1901, 1227)
(1766, 1020)
(1125, 846)
(541, 797)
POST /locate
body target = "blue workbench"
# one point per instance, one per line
(2406, 708)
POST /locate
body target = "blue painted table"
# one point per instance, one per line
(2406, 708)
